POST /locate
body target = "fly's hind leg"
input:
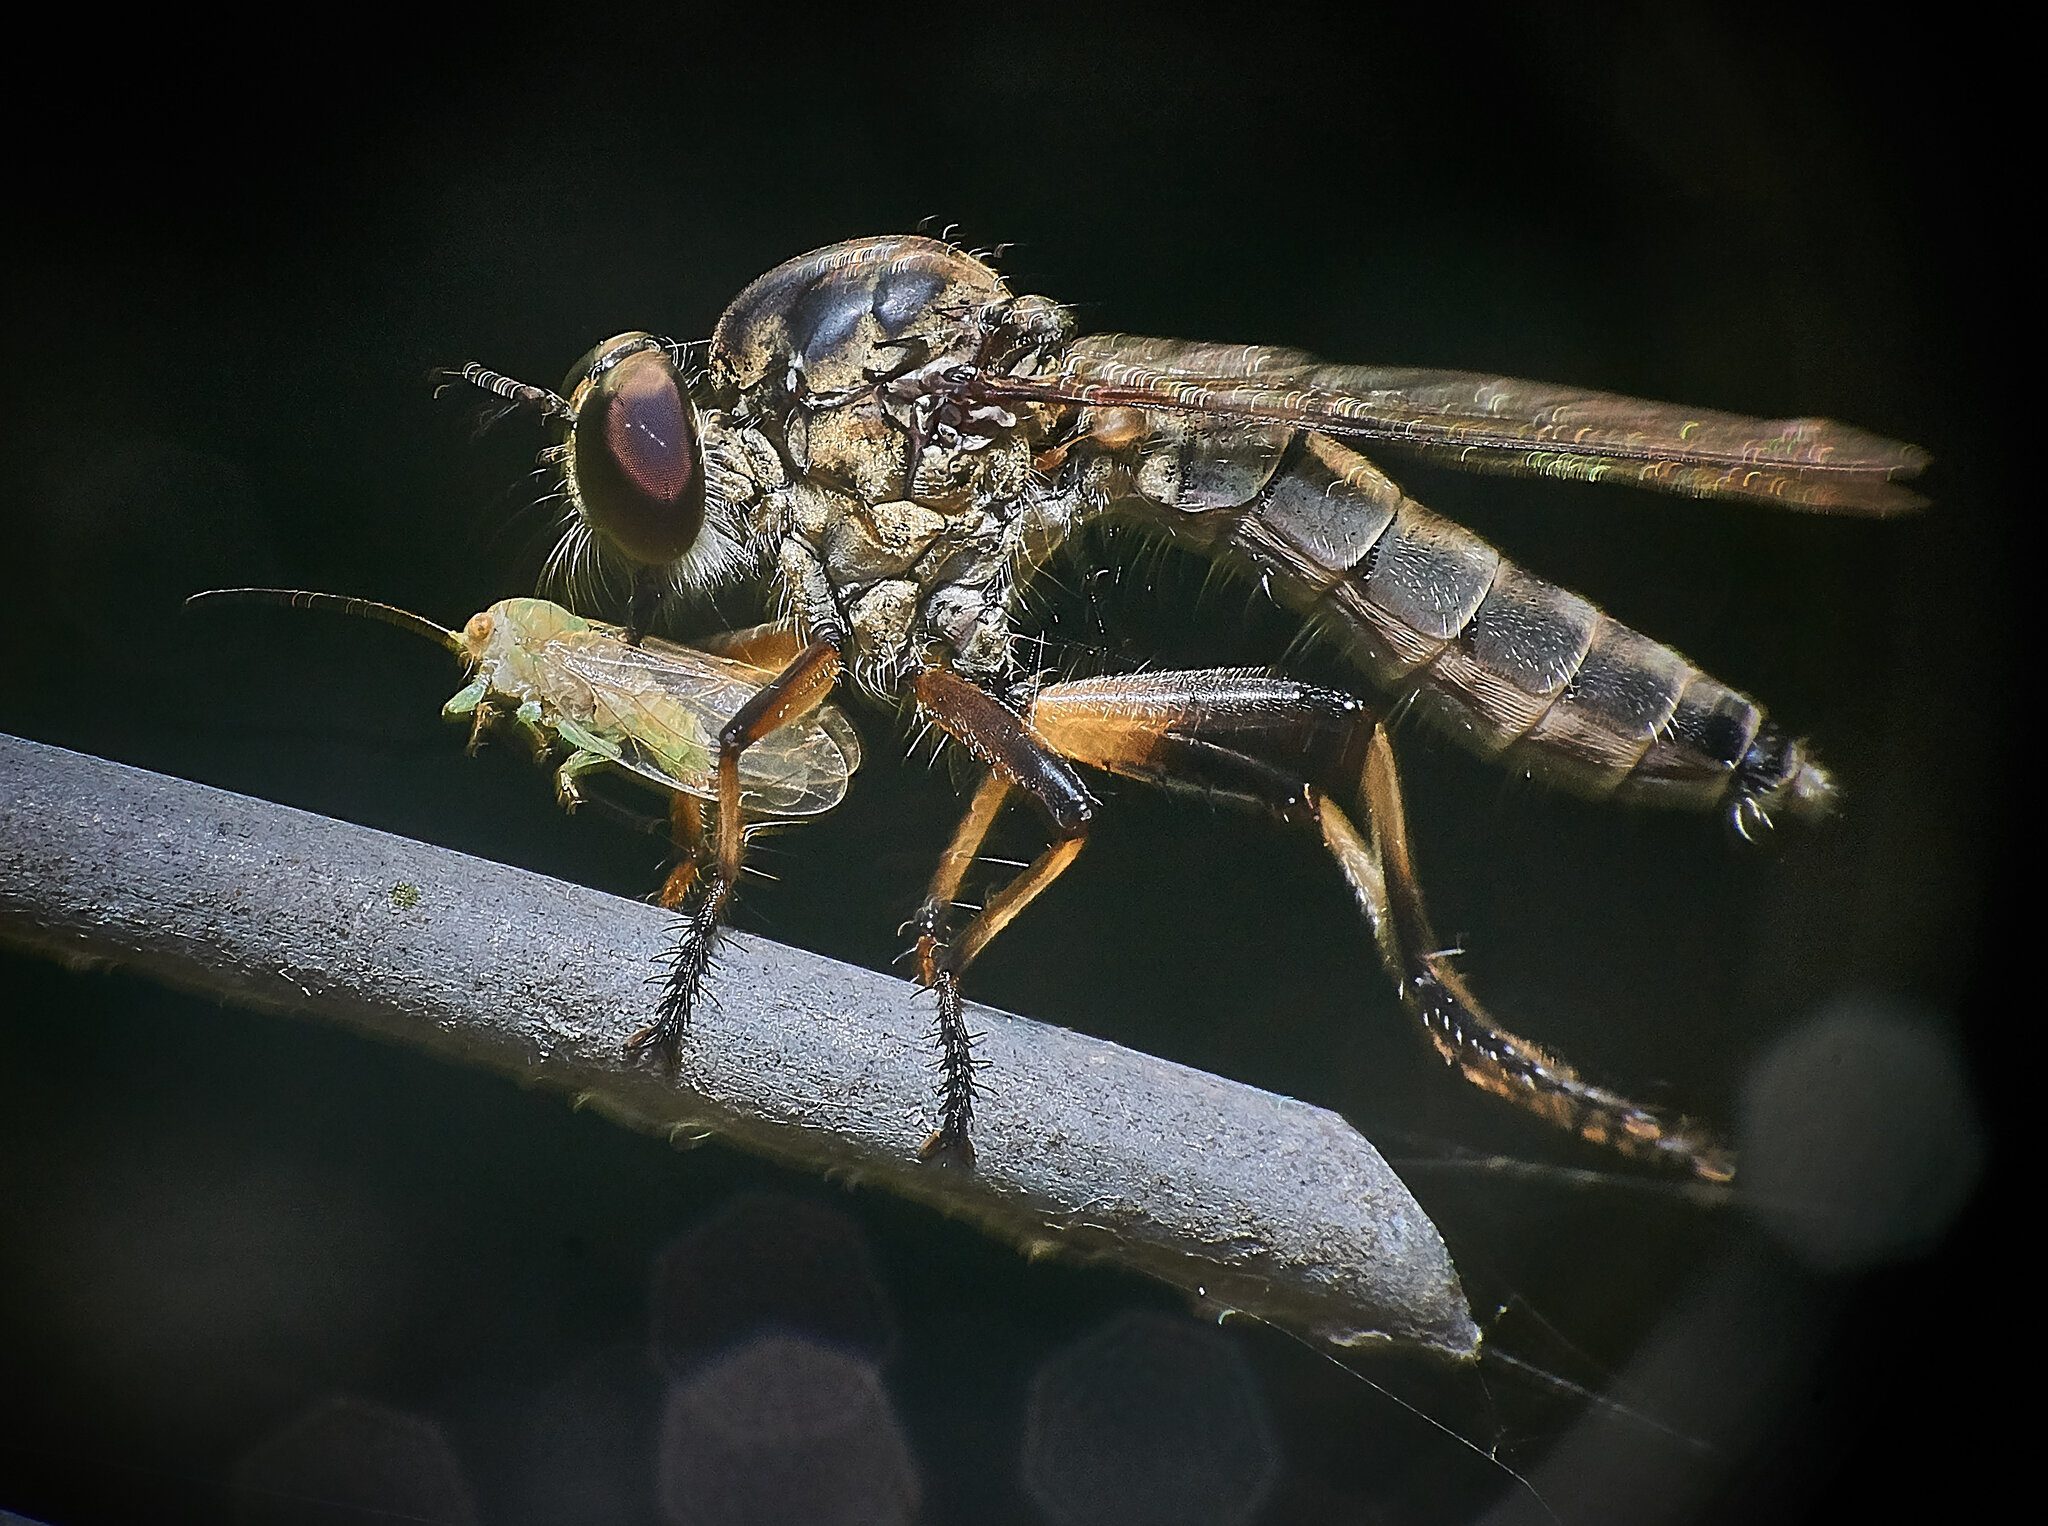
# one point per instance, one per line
(702, 885)
(1296, 750)
(1381, 871)
(1016, 761)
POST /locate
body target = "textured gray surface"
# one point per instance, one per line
(1249, 1201)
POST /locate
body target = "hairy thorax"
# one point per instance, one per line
(904, 513)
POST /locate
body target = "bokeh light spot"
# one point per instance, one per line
(1149, 1419)
(768, 1261)
(345, 1462)
(784, 1430)
(1861, 1138)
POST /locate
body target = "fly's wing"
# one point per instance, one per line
(1494, 424)
(663, 705)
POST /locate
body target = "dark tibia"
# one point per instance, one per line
(995, 735)
(790, 695)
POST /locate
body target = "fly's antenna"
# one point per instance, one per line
(341, 604)
(517, 394)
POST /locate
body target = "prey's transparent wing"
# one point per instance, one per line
(664, 705)
(1495, 423)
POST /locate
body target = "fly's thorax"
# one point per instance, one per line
(893, 628)
(882, 448)
(858, 359)
(901, 580)
(829, 321)
(906, 516)
(906, 575)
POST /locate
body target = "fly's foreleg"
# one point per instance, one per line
(693, 850)
(773, 645)
(1297, 750)
(1017, 761)
(650, 586)
(708, 885)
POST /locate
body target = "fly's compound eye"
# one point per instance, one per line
(634, 465)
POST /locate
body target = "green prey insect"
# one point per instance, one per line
(650, 710)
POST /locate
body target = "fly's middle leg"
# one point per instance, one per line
(703, 885)
(937, 972)
(1297, 751)
(771, 645)
(1017, 762)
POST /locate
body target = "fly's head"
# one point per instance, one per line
(632, 460)
(650, 482)
(648, 486)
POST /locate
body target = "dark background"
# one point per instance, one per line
(232, 274)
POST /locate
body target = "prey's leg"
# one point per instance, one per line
(620, 814)
(1296, 750)
(794, 692)
(1017, 761)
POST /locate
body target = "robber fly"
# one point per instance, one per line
(577, 690)
(894, 443)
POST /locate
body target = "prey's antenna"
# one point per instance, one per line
(341, 604)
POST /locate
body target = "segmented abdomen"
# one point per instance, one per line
(1516, 667)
